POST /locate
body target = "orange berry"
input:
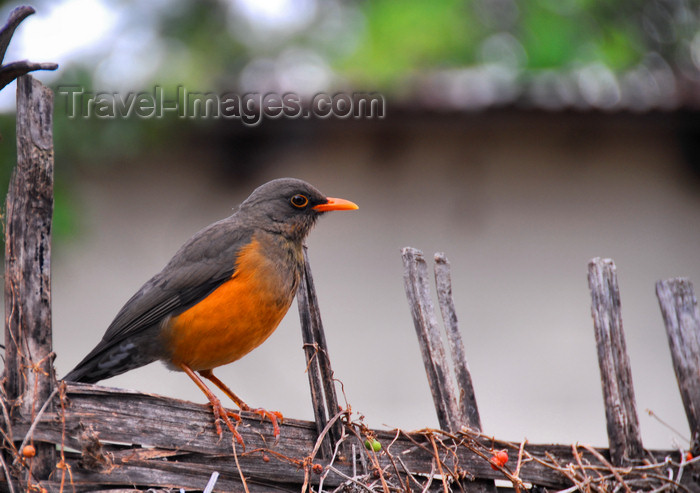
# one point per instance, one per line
(28, 451)
(318, 468)
(689, 456)
(499, 459)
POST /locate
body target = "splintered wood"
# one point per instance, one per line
(29, 374)
(115, 438)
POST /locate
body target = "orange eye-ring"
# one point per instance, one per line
(299, 201)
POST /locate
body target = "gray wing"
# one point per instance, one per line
(198, 268)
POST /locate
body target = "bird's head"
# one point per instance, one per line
(290, 207)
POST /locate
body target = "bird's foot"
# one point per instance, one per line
(275, 418)
(221, 414)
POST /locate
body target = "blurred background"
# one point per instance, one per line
(522, 138)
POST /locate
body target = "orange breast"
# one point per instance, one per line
(235, 318)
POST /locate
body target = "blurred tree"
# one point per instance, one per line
(401, 39)
(239, 45)
(551, 53)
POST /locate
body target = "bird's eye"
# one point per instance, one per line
(299, 201)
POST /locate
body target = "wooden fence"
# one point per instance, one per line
(77, 437)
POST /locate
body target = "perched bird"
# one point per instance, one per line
(221, 296)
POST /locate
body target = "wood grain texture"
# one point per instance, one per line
(29, 373)
(679, 308)
(153, 441)
(416, 284)
(468, 409)
(323, 395)
(624, 435)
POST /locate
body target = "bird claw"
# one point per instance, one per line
(234, 415)
(275, 418)
(221, 414)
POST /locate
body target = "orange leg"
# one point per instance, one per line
(219, 412)
(273, 416)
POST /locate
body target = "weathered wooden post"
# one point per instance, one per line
(466, 400)
(436, 367)
(29, 375)
(456, 408)
(624, 435)
(323, 395)
(679, 307)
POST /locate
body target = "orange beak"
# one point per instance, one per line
(336, 205)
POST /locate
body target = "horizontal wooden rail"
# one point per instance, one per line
(130, 439)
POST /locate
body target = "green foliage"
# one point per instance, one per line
(551, 39)
(201, 48)
(402, 38)
(559, 35)
(8, 151)
(619, 49)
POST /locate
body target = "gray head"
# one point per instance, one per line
(288, 206)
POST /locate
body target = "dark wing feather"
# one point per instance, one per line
(198, 268)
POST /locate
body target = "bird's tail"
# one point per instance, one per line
(84, 373)
(110, 359)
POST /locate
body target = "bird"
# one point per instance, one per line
(222, 294)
